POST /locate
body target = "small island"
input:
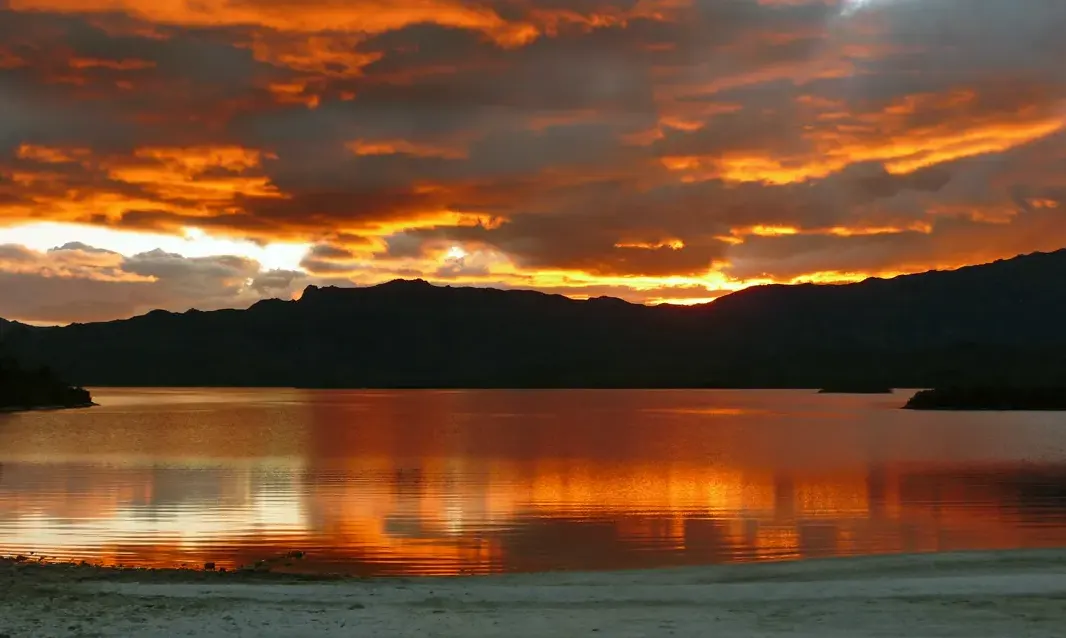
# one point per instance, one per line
(22, 389)
(990, 399)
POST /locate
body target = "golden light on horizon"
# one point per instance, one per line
(193, 242)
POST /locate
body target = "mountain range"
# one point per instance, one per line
(998, 323)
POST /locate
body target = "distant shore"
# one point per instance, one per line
(990, 398)
(1010, 593)
(47, 408)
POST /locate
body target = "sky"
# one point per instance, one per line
(196, 153)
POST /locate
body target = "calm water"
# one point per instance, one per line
(473, 482)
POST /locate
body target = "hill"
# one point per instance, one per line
(989, 324)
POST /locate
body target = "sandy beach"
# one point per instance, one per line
(1004, 594)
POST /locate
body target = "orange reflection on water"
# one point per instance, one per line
(479, 482)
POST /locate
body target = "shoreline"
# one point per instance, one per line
(724, 572)
(41, 571)
(1002, 593)
(47, 408)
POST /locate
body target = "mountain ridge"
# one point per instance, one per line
(989, 323)
(422, 284)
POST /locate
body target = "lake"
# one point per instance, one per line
(471, 482)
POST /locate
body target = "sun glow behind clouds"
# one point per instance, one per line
(456, 252)
(196, 243)
(851, 7)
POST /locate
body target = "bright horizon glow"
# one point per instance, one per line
(44, 236)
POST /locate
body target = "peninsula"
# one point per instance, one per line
(999, 398)
(22, 389)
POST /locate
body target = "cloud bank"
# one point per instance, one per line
(653, 149)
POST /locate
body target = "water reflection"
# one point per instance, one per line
(476, 482)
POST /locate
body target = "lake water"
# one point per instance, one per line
(421, 482)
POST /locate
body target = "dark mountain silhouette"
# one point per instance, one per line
(991, 324)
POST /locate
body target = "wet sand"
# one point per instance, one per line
(1002, 594)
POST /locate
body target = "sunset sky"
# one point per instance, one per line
(199, 153)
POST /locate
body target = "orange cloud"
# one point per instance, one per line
(115, 65)
(51, 155)
(923, 151)
(335, 55)
(182, 173)
(361, 16)
(192, 182)
(904, 151)
(761, 230)
(772, 231)
(672, 244)
(403, 147)
(294, 93)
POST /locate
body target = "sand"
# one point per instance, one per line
(1002, 594)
